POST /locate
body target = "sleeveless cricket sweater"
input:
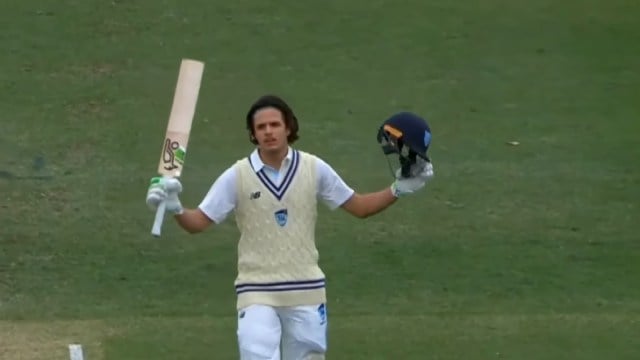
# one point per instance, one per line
(277, 255)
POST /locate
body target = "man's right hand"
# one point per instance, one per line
(165, 189)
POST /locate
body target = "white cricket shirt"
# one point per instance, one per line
(220, 200)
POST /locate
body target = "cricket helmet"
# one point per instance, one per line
(407, 135)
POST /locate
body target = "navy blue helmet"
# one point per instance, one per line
(407, 135)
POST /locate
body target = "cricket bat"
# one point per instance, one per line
(174, 146)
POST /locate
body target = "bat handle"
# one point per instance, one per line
(157, 222)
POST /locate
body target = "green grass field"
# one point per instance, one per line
(513, 252)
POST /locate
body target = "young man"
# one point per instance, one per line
(280, 288)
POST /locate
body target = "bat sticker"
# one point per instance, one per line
(173, 153)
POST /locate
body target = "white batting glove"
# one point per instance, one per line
(419, 174)
(165, 189)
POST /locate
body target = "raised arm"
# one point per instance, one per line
(214, 208)
(336, 193)
(365, 205)
(193, 220)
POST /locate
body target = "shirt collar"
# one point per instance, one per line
(257, 163)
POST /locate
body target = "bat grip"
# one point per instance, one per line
(157, 222)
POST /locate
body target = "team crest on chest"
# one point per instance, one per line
(281, 217)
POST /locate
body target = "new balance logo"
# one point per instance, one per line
(254, 195)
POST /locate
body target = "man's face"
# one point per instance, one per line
(270, 130)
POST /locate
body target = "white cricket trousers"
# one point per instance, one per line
(282, 333)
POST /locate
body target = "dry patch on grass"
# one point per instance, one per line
(93, 71)
(28, 340)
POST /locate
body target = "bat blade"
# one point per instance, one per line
(185, 99)
(174, 146)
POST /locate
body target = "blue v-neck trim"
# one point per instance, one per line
(279, 190)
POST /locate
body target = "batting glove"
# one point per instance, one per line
(165, 189)
(420, 173)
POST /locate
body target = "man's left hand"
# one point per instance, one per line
(419, 174)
